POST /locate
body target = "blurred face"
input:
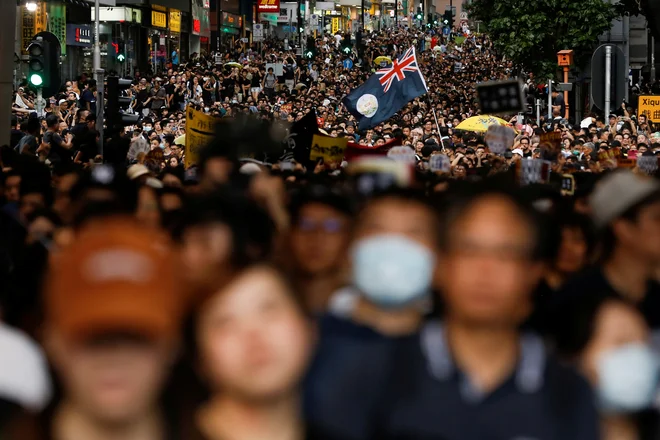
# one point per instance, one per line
(572, 251)
(113, 380)
(13, 189)
(319, 239)
(616, 324)
(398, 217)
(205, 252)
(646, 226)
(487, 272)
(254, 342)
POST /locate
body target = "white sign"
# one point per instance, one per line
(402, 154)
(278, 68)
(499, 138)
(314, 20)
(464, 15)
(257, 32)
(325, 6)
(440, 163)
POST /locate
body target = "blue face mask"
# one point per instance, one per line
(627, 378)
(147, 129)
(392, 271)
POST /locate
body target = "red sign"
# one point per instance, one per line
(268, 6)
(197, 26)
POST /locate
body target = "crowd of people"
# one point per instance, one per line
(258, 294)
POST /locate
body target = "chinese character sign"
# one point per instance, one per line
(650, 107)
(330, 149)
(268, 6)
(200, 131)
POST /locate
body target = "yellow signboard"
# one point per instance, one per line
(159, 19)
(175, 21)
(40, 18)
(649, 106)
(335, 25)
(200, 130)
(330, 149)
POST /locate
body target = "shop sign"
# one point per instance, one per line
(57, 23)
(335, 25)
(231, 20)
(197, 26)
(175, 21)
(268, 6)
(79, 35)
(159, 19)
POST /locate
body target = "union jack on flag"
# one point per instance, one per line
(387, 91)
(407, 63)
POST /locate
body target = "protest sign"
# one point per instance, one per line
(330, 149)
(402, 154)
(199, 132)
(550, 144)
(440, 163)
(499, 138)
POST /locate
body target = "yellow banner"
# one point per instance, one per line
(40, 18)
(200, 130)
(159, 19)
(175, 21)
(331, 149)
(335, 25)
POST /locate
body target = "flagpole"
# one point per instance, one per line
(442, 144)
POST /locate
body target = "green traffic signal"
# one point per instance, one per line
(36, 80)
(121, 58)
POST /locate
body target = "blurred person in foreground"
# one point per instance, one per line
(474, 374)
(625, 208)
(393, 255)
(220, 234)
(608, 340)
(112, 316)
(252, 341)
(321, 222)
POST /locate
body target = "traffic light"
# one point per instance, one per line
(310, 48)
(448, 18)
(37, 76)
(419, 14)
(121, 51)
(44, 63)
(346, 46)
(116, 103)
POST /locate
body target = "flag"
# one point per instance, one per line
(298, 143)
(387, 91)
(353, 150)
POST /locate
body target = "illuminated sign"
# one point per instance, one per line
(159, 19)
(268, 6)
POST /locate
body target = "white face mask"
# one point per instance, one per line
(147, 129)
(627, 378)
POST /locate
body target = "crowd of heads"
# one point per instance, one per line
(252, 297)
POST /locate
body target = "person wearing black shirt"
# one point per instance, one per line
(255, 84)
(85, 142)
(60, 149)
(465, 376)
(626, 210)
(16, 134)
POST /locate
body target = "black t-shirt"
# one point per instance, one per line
(58, 153)
(256, 80)
(593, 280)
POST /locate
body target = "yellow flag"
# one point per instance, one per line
(199, 132)
(331, 149)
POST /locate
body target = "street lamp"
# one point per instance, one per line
(31, 6)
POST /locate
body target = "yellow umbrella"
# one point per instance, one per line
(480, 123)
(181, 140)
(234, 64)
(383, 61)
